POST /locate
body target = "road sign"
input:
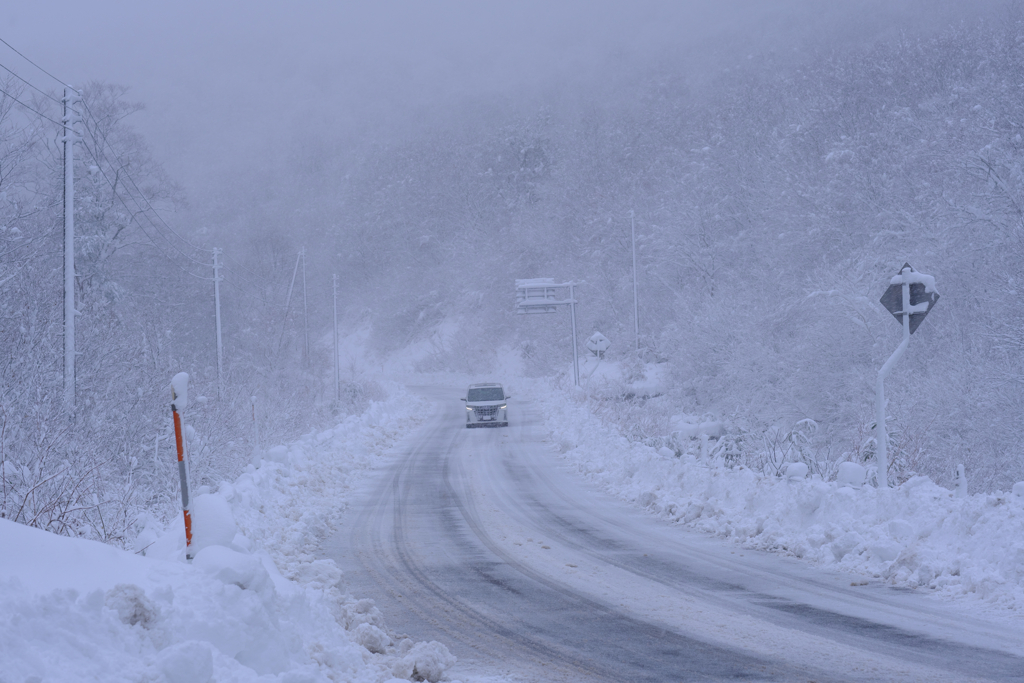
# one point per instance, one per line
(922, 296)
(537, 295)
(598, 343)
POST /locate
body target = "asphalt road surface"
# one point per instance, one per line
(484, 540)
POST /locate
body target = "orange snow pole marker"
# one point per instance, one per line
(182, 471)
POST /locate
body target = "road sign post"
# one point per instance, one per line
(910, 297)
(540, 295)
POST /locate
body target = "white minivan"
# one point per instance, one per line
(486, 406)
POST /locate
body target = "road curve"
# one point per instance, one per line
(483, 540)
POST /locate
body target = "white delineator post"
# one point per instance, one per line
(179, 401)
(881, 437)
(71, 117)
(961, 481)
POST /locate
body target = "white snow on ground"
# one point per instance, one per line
(254, 605)
(919, 535)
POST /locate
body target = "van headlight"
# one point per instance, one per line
(503, 407)
(468, 408)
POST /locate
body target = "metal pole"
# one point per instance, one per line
(575, 353)
(305, 312)
(288, 302)
(881, 436)
(636, 304)
(71, 117)
(216, 296)
(337, 370)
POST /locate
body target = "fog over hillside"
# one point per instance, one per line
(781, 164)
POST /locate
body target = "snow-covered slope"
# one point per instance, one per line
(254, 605)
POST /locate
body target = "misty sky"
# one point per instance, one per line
(229, 85)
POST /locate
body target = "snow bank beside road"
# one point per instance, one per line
(918, 535)
(253, 606)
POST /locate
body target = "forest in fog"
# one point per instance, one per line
(775, 193)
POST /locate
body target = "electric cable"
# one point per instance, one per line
(34, 111)
(38, 90)
(137, 189)
(134, 218)
(128, 176)
(31, 62)
(252, 273)
(246, 281)
(133, 215)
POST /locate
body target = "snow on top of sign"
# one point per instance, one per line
(913, 277)
(536, 282)
(920, 308)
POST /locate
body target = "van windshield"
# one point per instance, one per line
(486, 394)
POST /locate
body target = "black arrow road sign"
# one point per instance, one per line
(893, 300)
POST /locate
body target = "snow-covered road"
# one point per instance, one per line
(484, 540)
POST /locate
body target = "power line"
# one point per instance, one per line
(34, 111)
(38, 90)
(248, 283)
(135, 219)
(139, 207)
(31, 62)
(133, 215)
(135, 185)
(252, 273)
(97, 143)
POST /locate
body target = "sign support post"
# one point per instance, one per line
(903, 288)
(537, 295)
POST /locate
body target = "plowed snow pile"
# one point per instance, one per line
(254, 605)
(918, 535)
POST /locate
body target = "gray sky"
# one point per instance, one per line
(229, 83)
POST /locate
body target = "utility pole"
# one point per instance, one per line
(305, 312)
(288, 301)
(636, 304)
(216, 297)
(337, 370)
(71, 117)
